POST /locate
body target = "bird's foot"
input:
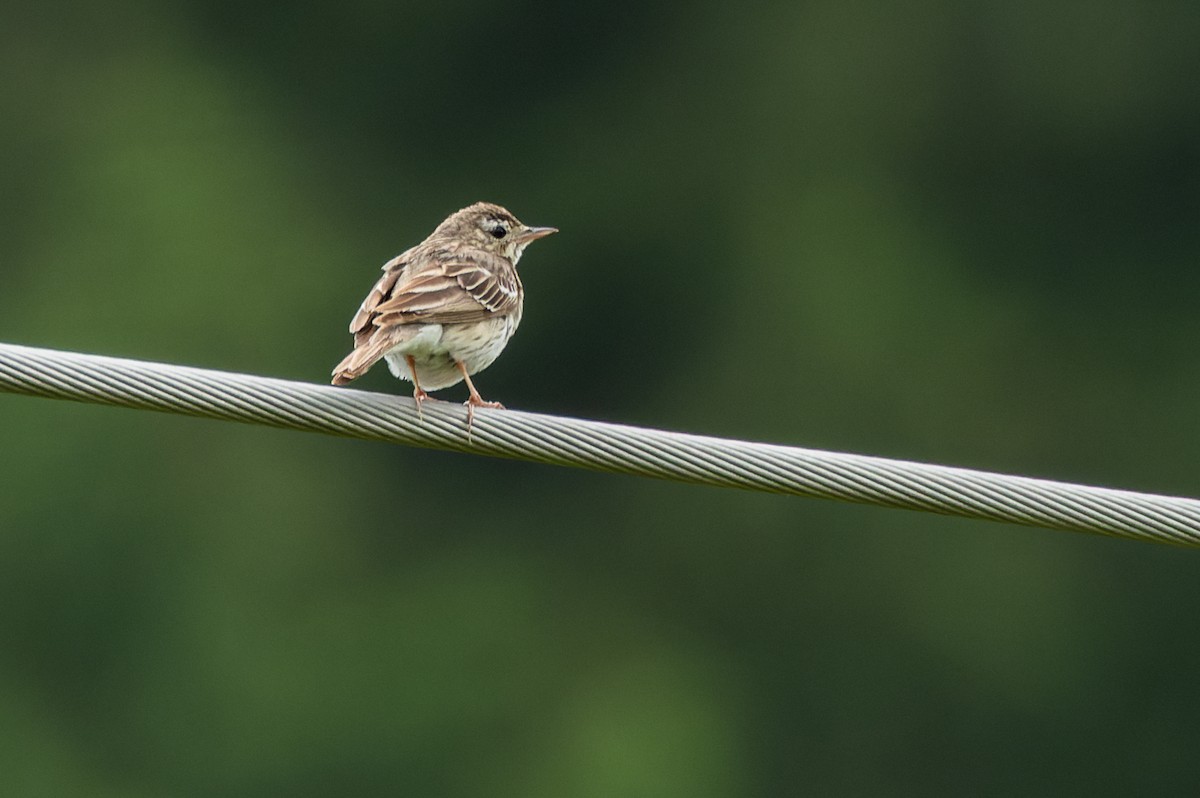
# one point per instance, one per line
(477, 401)
(420, 396)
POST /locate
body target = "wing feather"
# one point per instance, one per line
(463, 286)
(392, 271)
(447, 285)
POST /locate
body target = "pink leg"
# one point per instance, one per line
(418, 394)
(476, 400)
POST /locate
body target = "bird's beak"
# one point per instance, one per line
(534, 233)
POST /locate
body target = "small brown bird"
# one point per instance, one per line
(445, 309)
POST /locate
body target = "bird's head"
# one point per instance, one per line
(492, 228)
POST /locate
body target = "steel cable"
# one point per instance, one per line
(598, 446)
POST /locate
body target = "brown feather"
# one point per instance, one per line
(459, 286)
(356, 363)
(381, 291)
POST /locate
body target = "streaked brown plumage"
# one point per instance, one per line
(445, 309)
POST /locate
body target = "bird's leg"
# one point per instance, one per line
(418, 394)
(476, 400)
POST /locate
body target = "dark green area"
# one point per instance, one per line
(955, 232)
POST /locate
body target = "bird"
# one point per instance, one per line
(446, 308)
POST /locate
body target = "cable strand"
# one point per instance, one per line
(599, 446)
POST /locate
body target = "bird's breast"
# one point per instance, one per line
(478, 344)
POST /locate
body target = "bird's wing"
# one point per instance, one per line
(456, 286)
(423, 286)
(393, 270)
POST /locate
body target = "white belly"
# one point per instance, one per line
(435, 348)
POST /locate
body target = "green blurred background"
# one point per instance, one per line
(959, 232)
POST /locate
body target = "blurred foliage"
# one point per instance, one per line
(955, 232)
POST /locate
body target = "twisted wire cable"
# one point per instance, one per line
(598, 446)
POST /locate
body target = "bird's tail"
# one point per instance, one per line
(365, 355)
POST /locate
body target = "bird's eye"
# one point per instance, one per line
(498, 231)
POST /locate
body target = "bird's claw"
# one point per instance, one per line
(420, 396)
(473, 403)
